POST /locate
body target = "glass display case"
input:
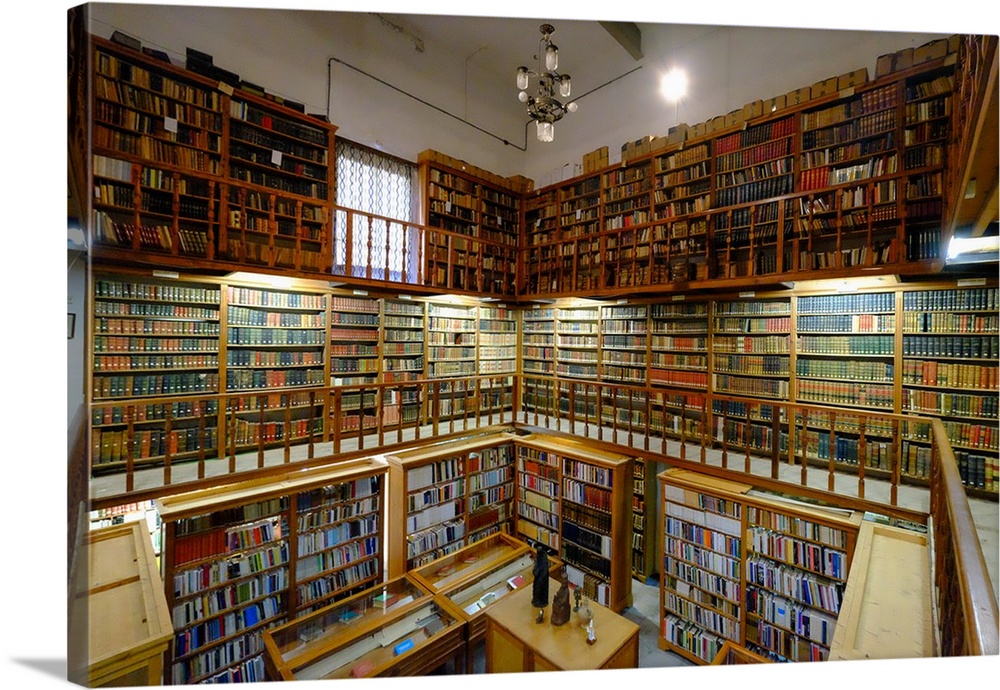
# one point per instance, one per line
(473, 579)
(394, 629)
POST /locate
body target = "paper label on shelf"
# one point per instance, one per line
(170, 124)
(971, 282)
(276, 157)
(225, 88)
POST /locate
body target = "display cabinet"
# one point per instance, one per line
(394, 629)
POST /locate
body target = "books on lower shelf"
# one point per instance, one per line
(763, 572)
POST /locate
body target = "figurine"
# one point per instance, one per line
(540, 583)
(540, 575)
(586, 615)
(576, 599)
(591, 635)
(560, 604)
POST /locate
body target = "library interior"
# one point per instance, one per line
(395, 352)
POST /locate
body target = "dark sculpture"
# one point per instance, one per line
(560, 604)
(540, 583)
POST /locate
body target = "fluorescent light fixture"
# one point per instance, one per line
(971, 249)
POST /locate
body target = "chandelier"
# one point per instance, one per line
(544, 108)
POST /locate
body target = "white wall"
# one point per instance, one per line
(288, 53)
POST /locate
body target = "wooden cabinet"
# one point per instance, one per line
(244, 557)
(476, 578)
(128, 622)
(515, 643)
(394, 629)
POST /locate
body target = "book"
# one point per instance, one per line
(362, 668)
(515, 581)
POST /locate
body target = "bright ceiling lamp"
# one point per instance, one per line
(673, 85)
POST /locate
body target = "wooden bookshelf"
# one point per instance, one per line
(275, 341)
(750, 569)
(537, 354)
(186, 173)
(845, 350)
(643, 529)
(482, 218)
(539, 262)
(751, 347)
(403, 359)
(624, 343)
(355, 339)
(682, 193)
(576, 501)
(949, 370)
(447, 497)
(577, 341)
(702, 578)
(241, 558)
(157, 151)
(152, 341)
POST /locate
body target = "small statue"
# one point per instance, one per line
(586, 615)
(591, 635)
(540, 583)
(560, 604)
(576, 599)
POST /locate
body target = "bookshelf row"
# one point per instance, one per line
(562, 495)
(871, 350)
(160, 338)
(931, 350)
(758, 571)
(234, 567)
(843, 183)
(185, 170)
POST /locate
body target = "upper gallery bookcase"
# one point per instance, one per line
(853, 179)
(480, 224)
(188, 171)
(156, 155)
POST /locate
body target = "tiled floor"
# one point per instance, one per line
(644, 611)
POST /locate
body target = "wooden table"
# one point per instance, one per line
(516, 643)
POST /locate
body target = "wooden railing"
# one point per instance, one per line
(967, 607)
(258, 425)
(370, 249)
(745, 432)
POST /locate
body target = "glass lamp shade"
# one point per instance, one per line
(551, 57)
(523, 96)
(571, 107)
(522, 78)
(564, 86)
(546, 131)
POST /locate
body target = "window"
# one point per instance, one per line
(381, 237)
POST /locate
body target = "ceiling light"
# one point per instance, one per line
(544, 108)
(673, 85)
